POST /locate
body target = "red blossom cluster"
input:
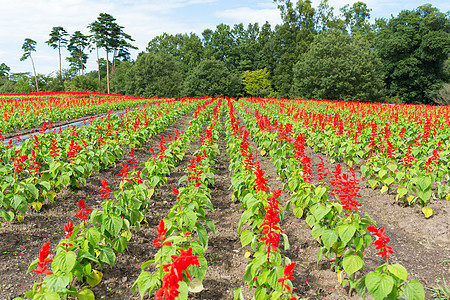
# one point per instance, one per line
(105, 189)
(287, 275)
(83, 212)
(20, 161)
(346, 189)
(73, 150)
(193, 173)
(43, 260)
(174, 274)
(54, 149)
(124, 173)
(260, 181)
(408, 159)
(270, 226)
(380, 243)
(68, 229)
(34, 167)
(162, 231)
(322, 171)
(132, 162)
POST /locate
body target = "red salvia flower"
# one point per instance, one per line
(83, 212)
(175, 191)
(138, 178)
(162, 231)
(68, 228)
(124, 173)
(54, 149)
(174, 274)
(34, 167)
(321, 172)
(43, 260)
(105, 189)
(348, 191)
(260, 181)
(73, 150)
(270, 225)
(132, 162)
(287, 275)
(380, 243)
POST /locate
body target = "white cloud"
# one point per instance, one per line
(249, 15)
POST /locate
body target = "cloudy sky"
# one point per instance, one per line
(142, 19)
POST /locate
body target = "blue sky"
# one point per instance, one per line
(143, 20)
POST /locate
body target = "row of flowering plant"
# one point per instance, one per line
(179, 264)
(268, 272)
(66, 158)
(101, 234)
(404, 145)
(27, 110)
(342, 233)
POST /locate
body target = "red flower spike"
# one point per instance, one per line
(380, 243)
(83, 212)
(175, 191)
(158, 242)
(174, 274)
(105, 188)
(43, 260)
(287, 275)
(260, 181)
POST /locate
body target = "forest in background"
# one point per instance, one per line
(317, 52)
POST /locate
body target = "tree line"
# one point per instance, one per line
(314, 53)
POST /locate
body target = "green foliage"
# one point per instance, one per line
(443, 96)
(257, 83)
(78, 43)
(413, 47)
(339, 66)
(211, 78)
(4, 70)
(151, 75)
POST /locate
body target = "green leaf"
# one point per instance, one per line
(298, 212)
(352, 263)
(108, 256)
(382, 173)
(401, 192)
(329, 237)
(58, 283)
(93, 236)
(373, 183)
(346, 232)
(399, 271)
(285, 241)
(64, 261)
(238, 295)
(427, 211)
(388, 181)
(424, 183)
(320, 211)
(379, 285)
(47, 296)
(195, 286)
(146, 282)
(33, 190)
(392, 167)
(414, 290)
(113, 224)
(246, 237)
(86, 294)
(189, 218)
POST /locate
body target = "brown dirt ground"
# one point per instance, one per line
(421, 245)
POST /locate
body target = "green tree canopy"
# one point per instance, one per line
(211, 78)
(107, 34)
(57, 40)
(29, 46)
(257, 83)
(150, 75)
(4, 70)
(77, 46)
(339, 66)
(413, 47)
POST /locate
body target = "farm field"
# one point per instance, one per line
(213, 170)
